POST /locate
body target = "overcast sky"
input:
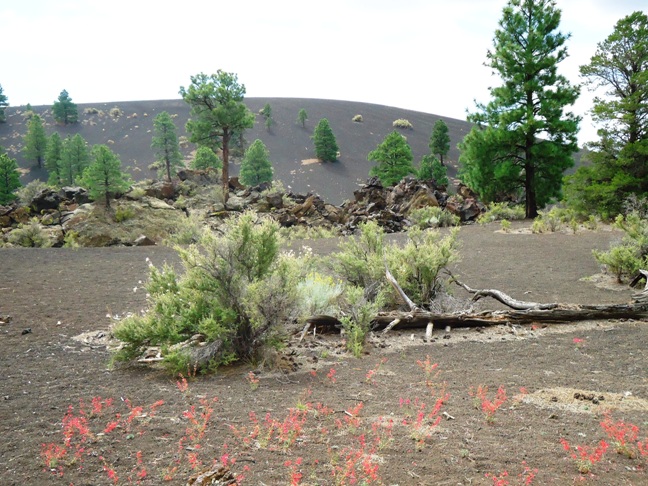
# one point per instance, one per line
(425, 55)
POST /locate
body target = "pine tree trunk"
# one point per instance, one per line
(226, 139)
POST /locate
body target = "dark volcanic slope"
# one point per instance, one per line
(129, 135)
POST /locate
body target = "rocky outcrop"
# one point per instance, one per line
(155, 209)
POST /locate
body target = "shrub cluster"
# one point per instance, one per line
(624, 259)
(238, 292)
(499, 211)
(357, 118)
(402, 123)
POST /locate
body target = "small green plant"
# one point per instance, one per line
(187, 231)
(359, 312)
(574, 225)
(124, 213)
(136, 193)
(30, 235)
(433, 217)
(402, 123)
(505, 224)
(357, 118)
(499, 211)
(71, 239)
(591, 223)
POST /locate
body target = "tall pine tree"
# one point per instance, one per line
(394, 158)
(165, 145)
(64, 111)
(75, 157)
(524, 140)
(9, 179)
(256, 167)
(326, 147)
(4, 102)
(217, 113)
(53, 157)
(35, 141)
(104, 177)
(440, 140)
(619, 159)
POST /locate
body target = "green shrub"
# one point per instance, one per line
(625, 258)
(27, 193)
(319, 295)
(91, 111)
(136, 193)
(415, 265)
(505, 225)
(402, 123)
(124, 213)
(71, 239)
(433, 217)
(236, 290)
(301, 232)
(187, 231)
(357, 118)
(621, 261)
(552, 221)
(115, 112)
(30, 235)
(359, 311)
(499, 211)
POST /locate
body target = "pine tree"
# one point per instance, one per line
(4, 103)
(524, 140)
(326, 148)
(302, 116)
(75, 157)
(431, 168)
(440, 140)
(206, 159)
(165, 145)
(217, 113)
(35, 141)
(9, 179)
(256, 167)
(394, 158)
(619, 159)
(53, 157)
(64, 111)
(103, 177)
(266, 113)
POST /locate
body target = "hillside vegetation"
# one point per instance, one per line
(127, 128)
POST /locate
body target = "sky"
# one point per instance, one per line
(423, 55)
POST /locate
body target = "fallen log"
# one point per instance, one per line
(561, 313)
(501, 297)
